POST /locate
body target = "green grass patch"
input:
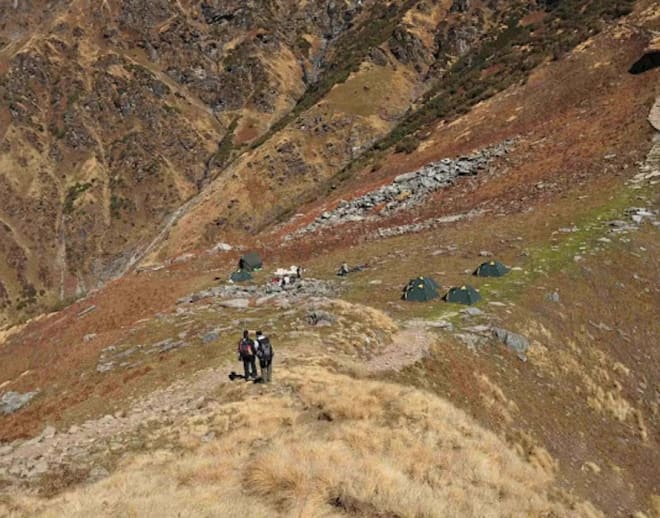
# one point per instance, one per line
(544, 259)
(225, 147)
(541, 253)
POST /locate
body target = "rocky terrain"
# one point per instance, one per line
(406, 191)
(144, 146)
(134, 132)
(111, 122)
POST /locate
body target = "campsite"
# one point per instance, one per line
(418, 289)
(336, 258)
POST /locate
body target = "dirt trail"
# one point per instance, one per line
(26, 461)
(35, 457)
(409, 346)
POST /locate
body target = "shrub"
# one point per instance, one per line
(72, 195)
(407, 145)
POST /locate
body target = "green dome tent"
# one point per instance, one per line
(240, 276)
(463, 295)
(491, 269)
(421, 289)
(250, 262)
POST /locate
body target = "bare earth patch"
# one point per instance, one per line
(408, 346)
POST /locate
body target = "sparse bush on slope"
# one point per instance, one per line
(503, 59)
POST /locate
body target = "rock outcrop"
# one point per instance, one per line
(407, 190)
(11, 401)
(517, 343)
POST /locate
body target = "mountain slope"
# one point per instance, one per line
(111, 122)
(323, 447)
(381, 406)
(147, 129)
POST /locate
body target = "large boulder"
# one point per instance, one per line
(234, 303)
(317, 317)
(517, 343)
(10, 402)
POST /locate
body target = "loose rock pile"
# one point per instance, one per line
(408, 190)
(477, 337)
(262, 293)
(114, 356)
(419, 227)
(637, 216)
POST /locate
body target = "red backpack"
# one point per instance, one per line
(246, 347)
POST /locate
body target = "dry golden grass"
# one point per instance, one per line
(359, 330)
(321, 444)
(493, 397)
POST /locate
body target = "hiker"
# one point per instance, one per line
(246, 353)
(343, 270)
(265, 355)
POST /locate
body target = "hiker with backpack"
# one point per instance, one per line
(265, 355)
(246, 353)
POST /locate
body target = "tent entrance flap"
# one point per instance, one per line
(250, 262)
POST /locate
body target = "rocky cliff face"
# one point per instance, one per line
(115, 114)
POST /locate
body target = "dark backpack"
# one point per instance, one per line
(265, 351)
(246, 347)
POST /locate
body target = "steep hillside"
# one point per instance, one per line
(465, 53)
(112, 116)
(138, 130)
(527, 141)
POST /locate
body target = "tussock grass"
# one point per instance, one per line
(322, 444)
(359, 330)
